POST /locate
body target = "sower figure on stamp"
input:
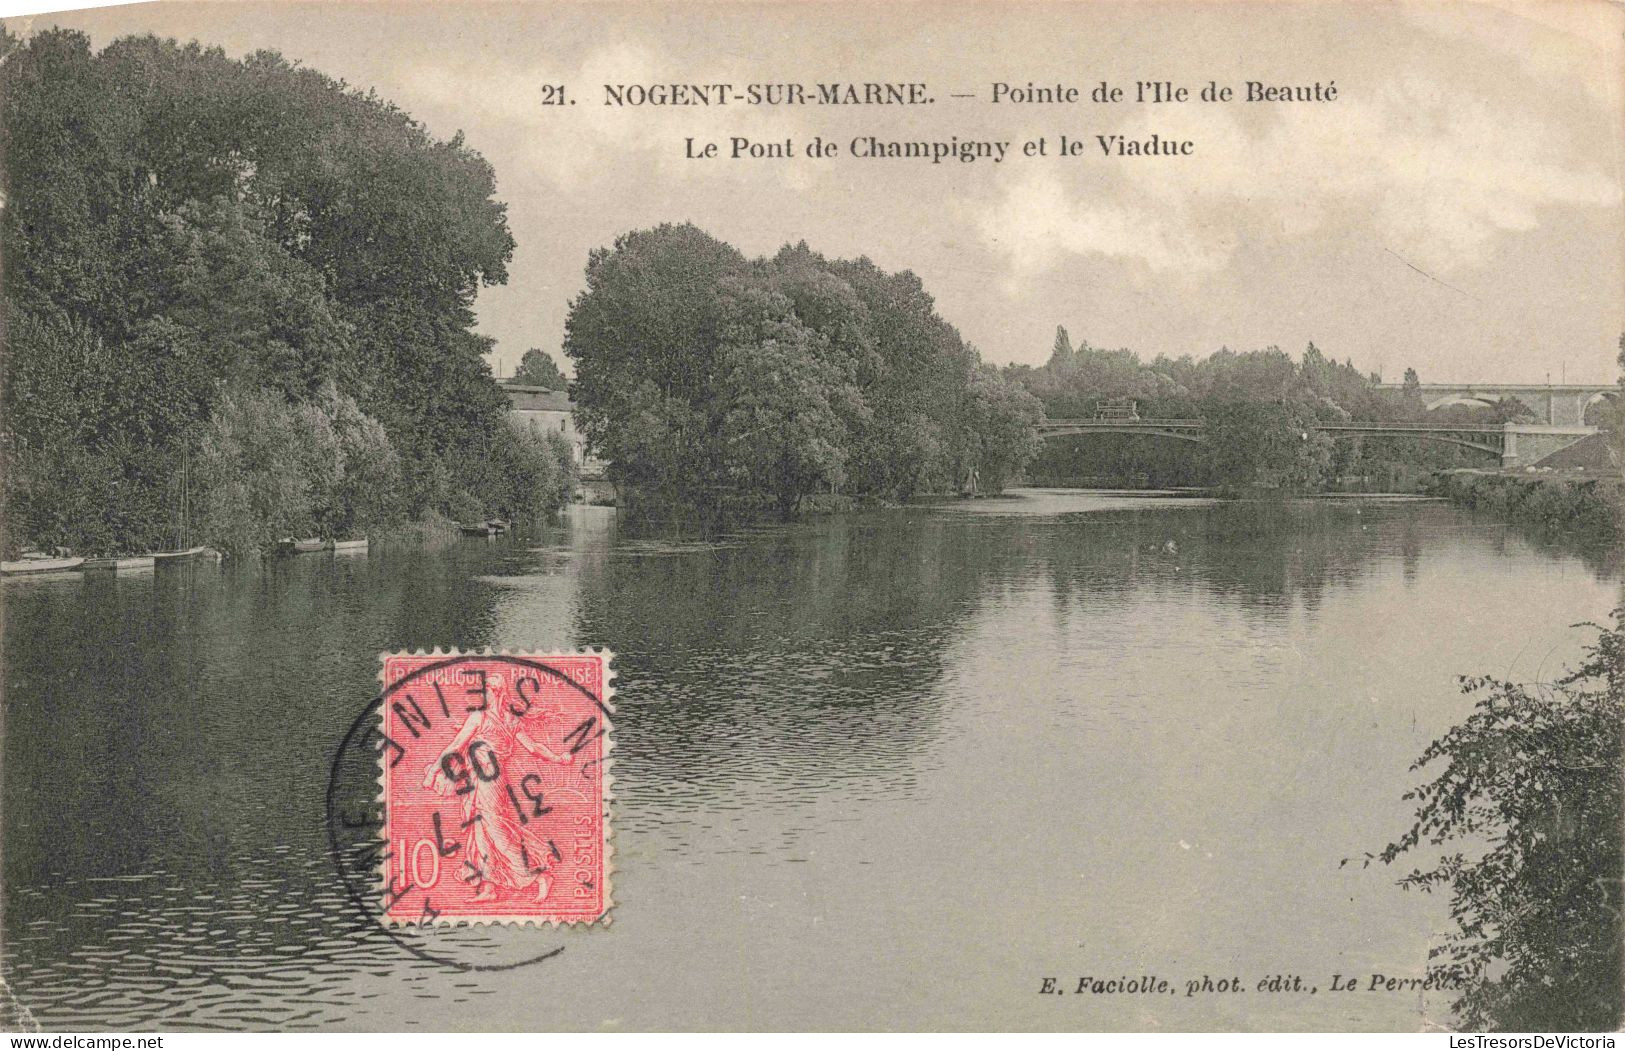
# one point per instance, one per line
(505, 849)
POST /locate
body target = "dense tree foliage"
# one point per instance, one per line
(185, 232)
(713, 382)
(1261, 401)
(1584, 509)
(1527, 804)
(538, 369)
(269, 467)
(1259, 444)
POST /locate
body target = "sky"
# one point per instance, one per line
(1456, 210)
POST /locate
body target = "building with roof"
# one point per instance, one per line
(551, 410)
(541, 409)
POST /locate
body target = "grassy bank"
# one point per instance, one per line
(1557, 503)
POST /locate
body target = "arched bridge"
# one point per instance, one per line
(1516, 444)
(1559, 404)
(1189, 430)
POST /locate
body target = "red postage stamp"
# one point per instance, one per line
(496, 788)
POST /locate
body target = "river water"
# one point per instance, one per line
(885, 770)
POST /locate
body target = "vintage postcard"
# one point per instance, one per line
(846, 516)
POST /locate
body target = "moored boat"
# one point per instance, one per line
(164, 558)
(477, 528)
(350, 545)
(126, 563)
(291, 546)
(41, 565)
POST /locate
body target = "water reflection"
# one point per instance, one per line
(830, 734)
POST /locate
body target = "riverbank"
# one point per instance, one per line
(1566, 503)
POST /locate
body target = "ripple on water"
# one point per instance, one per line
(807, 714)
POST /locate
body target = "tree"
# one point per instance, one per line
(269, 468)
(264, 465)
(369, 495)
(709, 380)
(1004, 418)
(644, 337)
(646, 460)
(528, 472)
(205, 223)
(1270, 445)
(1319, 374)
(1530, 793)
(93, 437)
(538, 369)
(784, 429)
(916, 390)
(1411, 404)
(1061, 352)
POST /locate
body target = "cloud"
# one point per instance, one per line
(1415, 166)
(1037, 223)
(1574, 41)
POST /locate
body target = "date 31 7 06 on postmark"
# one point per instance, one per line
(496, 788)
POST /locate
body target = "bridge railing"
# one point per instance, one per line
(1352, 425)
(1143, 421)
(1409, 428)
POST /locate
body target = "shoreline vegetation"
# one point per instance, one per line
(1525, 810)
(1257, 404)
(264, 329)
(252, 329)
(718, 387)
(1582, 507)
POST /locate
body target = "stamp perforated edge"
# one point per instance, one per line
(604, 919)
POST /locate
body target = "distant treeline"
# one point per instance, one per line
(718, 384)
(238, 297)
(1257, 404)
